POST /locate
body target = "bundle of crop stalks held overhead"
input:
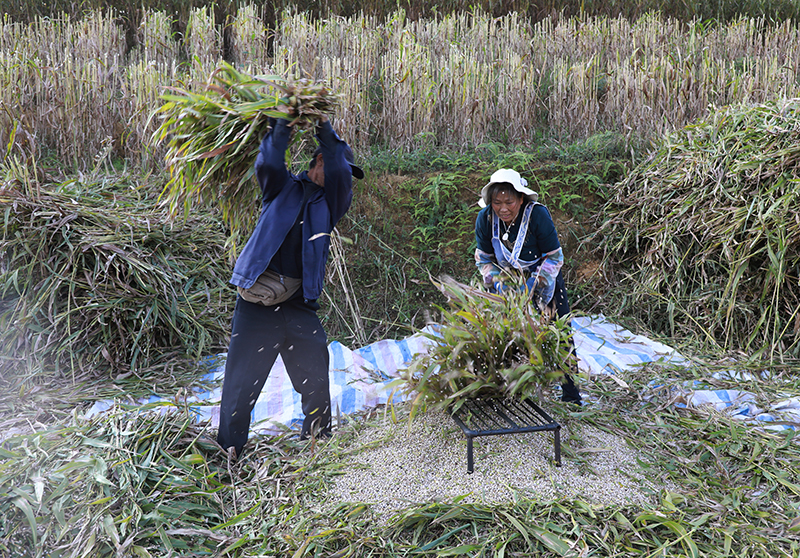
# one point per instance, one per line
(213, 137)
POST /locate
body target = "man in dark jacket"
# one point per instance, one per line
(290, 242)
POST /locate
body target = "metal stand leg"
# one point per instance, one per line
(557, 443)
(469, 455)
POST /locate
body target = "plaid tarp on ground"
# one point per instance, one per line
(359, 379)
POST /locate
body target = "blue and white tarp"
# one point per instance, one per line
(360, 379)
(606, 348)
(741, 405)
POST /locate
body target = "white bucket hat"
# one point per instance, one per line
(507, 176)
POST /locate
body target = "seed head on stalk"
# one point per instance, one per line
(213, 137)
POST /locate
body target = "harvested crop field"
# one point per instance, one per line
(666, 150)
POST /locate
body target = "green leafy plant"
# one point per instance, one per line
(502, 157)
(487, 345)
(442, 218)
(564, 199)
(442, 186)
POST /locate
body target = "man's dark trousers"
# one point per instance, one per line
(259, 333)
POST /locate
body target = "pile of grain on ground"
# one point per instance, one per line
(425, 461)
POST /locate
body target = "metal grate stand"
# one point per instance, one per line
(494, 417)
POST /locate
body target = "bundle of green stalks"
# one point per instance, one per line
(707, 229)
(487, 346)
(94, 281)
(213, 137)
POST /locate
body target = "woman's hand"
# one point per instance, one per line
(535, 283)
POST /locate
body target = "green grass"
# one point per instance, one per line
(149, 480)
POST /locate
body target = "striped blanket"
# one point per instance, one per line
(359, 379)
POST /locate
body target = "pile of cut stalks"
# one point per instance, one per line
(95, 282)
(707, 232)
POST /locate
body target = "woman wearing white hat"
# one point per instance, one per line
(515, 232)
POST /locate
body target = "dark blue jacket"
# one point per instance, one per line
(282, 202)
(541, 239)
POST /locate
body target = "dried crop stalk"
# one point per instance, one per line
(202, 36)
(249, 37)
(157, 44)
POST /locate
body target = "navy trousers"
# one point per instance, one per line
(259, 334)
(560, 302)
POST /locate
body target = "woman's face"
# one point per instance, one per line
(506, 203)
